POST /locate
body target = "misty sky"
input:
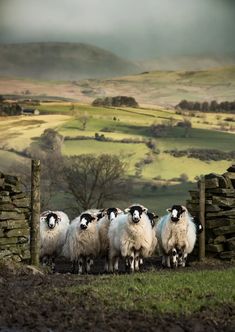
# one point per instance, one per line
(135, 29)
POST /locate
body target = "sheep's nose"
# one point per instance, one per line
(83, 226)
(135, 219)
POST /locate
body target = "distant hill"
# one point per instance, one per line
(187, 62)
(163, 88)
(61, 61)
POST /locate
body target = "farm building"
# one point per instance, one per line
(30, 111)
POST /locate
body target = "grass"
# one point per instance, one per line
(131, 153)
(161, 292)
(134, 124)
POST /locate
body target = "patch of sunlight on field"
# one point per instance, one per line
(130, 152)
(200, 139)
(169, 167)
(15, 135)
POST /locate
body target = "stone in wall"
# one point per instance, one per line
(14, 220)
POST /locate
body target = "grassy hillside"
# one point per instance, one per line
(166, 88)
(155, 186)
(61, 61)
(169, 87)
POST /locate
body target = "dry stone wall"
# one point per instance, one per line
(219, 213)
(14, 220)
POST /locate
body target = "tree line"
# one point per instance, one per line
(213, 106)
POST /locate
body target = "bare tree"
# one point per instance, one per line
(93, 181)
(83, 118)
(187, 127)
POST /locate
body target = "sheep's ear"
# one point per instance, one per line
(103, 212)
(183, 210)
(155, 216)
(169, 210)
(119, 211)
(127, 210)
(144, 209)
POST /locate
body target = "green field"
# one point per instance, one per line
(162, 292)
(125, 123)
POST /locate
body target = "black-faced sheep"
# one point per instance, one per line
(176, 233)
(82, 243)
(53, 229)
(130, 237)
(103, 226)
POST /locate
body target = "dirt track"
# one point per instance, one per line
(27, 303)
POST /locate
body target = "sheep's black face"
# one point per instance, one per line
(176, 212)
(85, 220)
(99, 215)
(199, 227)
(136, 212)
(112, 213)
(51, 220)
(151, 217)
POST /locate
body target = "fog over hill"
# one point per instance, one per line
(61, 61)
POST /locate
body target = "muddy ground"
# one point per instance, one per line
(27, 304)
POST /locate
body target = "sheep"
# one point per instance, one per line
(103, 227)
(199, 227)
(53, 229)
(130, 237)
(82, 242)
(95, 212)
(176, 233)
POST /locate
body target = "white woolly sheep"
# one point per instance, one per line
(103, 227)
(53, 229)
(130, 237)
(176, 233)
(82, 243)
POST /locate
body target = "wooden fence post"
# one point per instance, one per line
(35, 213)
(202, 202)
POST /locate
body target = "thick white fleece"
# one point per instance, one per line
(81, 242)
(176, 235)
(52, 240)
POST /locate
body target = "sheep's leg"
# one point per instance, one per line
(168, 261)
(131, 262)
(112, 260)
(174, 258)
(44, 261)
(141, 262)
(53, 263)
(89, 262)
(136, 262)
(163, 260)
(106, 264)
(80, 265)
(74, 268)
(184, 259)
(116, 264)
